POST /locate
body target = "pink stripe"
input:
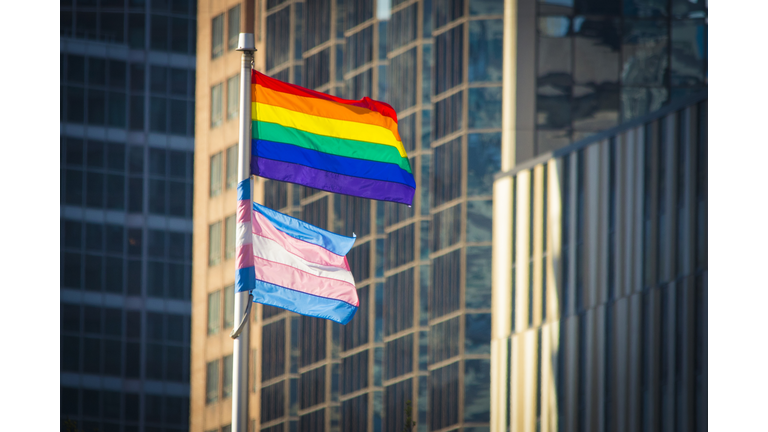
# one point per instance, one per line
(306, 251)
(244, 256)
(295, 279)
(243, 213)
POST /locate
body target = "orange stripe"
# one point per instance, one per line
(322, 108)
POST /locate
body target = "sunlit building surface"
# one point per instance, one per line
(127, 125)
(423, 330)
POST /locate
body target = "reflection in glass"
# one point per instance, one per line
(644, 53)
(646, 8)
(484, 160)
(477, 388)
(595, 108)
(636, 101)
(553, 108)
(478, 277)
(479, 224)
(596, 51)
(689, 53)
(554, 26)
(478, 334)
(486, 7)
(549, 140)
(485, 48)
(485, 106)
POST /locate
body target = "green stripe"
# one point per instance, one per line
(335, 146)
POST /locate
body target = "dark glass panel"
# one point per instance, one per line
(689, 53)
(645, 53)
(478, 277)
(484, 151)
(485, 47)
(477, 394)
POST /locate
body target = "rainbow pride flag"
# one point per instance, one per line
(325, 142)
(291, 264)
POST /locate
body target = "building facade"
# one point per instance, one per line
(600, 283)
(127, 126)
(215, 204)
(423, 330)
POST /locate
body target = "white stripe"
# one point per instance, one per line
(271, 250)
(244, 232)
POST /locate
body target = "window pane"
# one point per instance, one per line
(216, 114)
(689, 53)
(478, 278)
(176, 281)
(644, 52)
(137, 113)
(485, 44)
(226, 381)
(212, 382)
(233, 21)
(158, 114)
(233, 97)
(214, 308)
(232, 164)
(157, 201)
(216, 174)
(229, 239)
(485, 106)
(178, 121)
(96, 107)
(155, 279)
(158, 32)
(217, 36)
(479, 214)
(477, 385)
(484, 152)
(179, 34)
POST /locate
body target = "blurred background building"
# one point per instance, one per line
(127, 125)
(614, 91)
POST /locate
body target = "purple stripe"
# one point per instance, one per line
(332, 182)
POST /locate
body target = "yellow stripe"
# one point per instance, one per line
(343, 129)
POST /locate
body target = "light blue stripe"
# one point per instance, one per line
(302, 303)
(244, 189)
(245, 279)
(338, 244)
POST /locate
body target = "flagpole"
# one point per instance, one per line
(240, 353)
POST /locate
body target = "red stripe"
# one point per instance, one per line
(366, 102)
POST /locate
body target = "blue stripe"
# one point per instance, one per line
(352, 167)
(244, 279)
(244, 189)
(303, 303)
(301, 230)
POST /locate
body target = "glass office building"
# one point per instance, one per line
(127, 125)
(603, 323)
(423, 330)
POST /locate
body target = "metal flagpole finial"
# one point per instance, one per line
(245, 42)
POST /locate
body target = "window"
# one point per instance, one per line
(216, 175)
(233, 97)
(217, 36)
(233, 18)
(216, 106)
(229, 237)
(214, 246)
(232, 163)
(212, 382)
(229, 306)
(226, 380)
(214, 307)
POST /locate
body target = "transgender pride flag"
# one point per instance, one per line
(291, 264)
